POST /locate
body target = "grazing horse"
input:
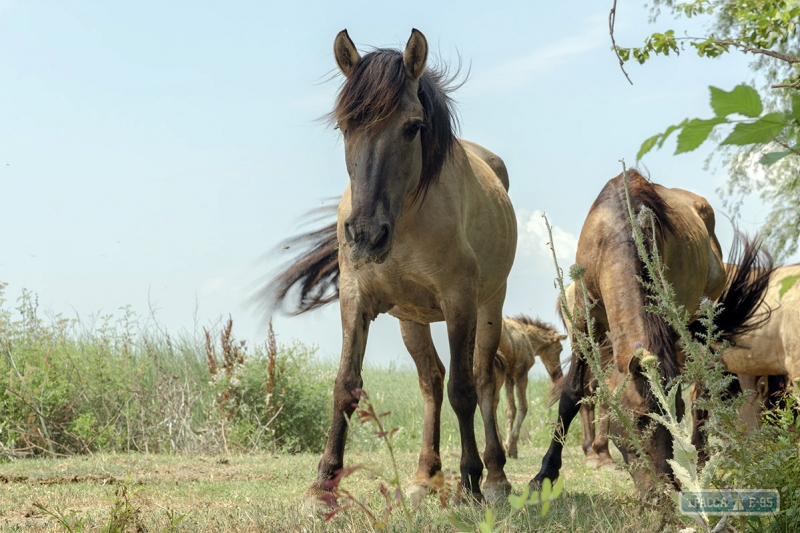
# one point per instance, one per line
(522, 340)
(689, 250)
(742, 310)
(425, 232)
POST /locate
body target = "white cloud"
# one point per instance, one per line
(534, 241)
(213, 285)
(521, 71)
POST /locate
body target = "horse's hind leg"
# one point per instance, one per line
(489, 328)
(511, 414)
(587, 427)
(522, 412)
(417, 338)
(600, 444)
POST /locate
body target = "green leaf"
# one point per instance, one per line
(518, 502)
(695, 132)
(773, 157)
(545, 507)
(669, 131)
(458, 524)
(547, 487)
(487, 525)
(559, 486)
(648, 145)
(786, 284)
(762, 130)
(743, 99)
(795, 114)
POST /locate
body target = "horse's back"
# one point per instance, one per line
(514, 344)
(494, 161)
(693, 246)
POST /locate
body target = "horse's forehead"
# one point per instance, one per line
(409, 100)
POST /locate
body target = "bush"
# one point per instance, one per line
(116, 385)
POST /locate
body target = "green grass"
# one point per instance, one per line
(263, 492)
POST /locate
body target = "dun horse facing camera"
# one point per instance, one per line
(425, 232)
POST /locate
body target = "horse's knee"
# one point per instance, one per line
(343, 392)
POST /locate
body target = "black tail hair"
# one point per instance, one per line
(314, 271)
(749, 269)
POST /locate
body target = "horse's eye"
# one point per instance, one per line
(413, 128)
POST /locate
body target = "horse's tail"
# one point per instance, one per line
(749, 270)
(554, 395)
(314, 272)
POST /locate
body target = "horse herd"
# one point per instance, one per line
(426, 232)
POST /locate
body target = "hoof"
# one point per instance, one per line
(468, 497)
(514, 454)
(605, 461)
(592, 460)
(497, 492)
(416, 492)
(536, 483)
(315, 499)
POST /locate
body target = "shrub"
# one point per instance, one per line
(113, 384)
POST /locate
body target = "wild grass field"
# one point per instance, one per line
(115, 425)
(262, 491)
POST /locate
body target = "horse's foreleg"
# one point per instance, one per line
(489, 328)
(511, 413)
(568, 407)
(519, 416)
(355, 326)
(461, 391)
(417, 338)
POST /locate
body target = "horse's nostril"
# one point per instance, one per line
(348, 233)
(382, 237)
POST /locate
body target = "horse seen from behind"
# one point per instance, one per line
(692, 259)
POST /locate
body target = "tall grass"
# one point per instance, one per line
(121, 383)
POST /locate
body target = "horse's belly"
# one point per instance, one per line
(413, 313)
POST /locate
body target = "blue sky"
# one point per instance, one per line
(153, 154)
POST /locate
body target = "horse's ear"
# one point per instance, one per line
(415, 55)
(345, 53)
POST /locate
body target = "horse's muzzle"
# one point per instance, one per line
(368, 244)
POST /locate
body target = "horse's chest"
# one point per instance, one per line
(408, 299)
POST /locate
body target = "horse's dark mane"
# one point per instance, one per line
(749, 270)
(371, 95)
(314, 270)
(528, 321)
(660, 340)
